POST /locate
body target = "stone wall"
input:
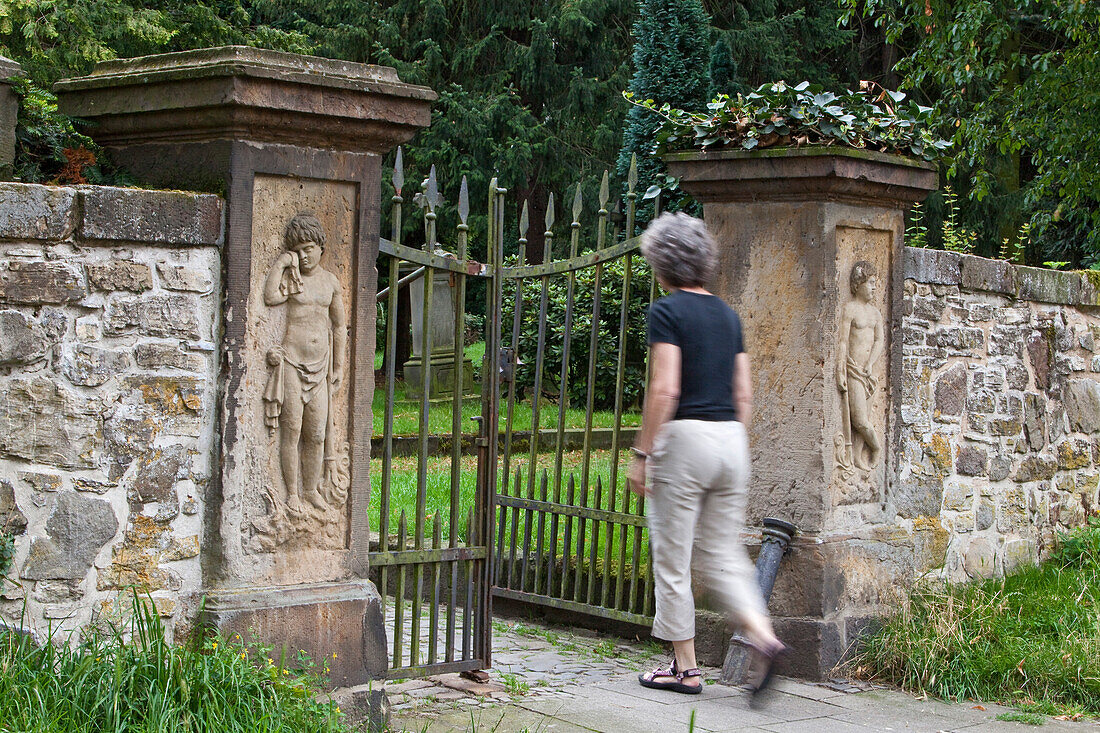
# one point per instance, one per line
(999, 429)
(109, 313)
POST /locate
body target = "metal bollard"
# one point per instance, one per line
(774, 545)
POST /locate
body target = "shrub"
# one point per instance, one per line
(607, 340)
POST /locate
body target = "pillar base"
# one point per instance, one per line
(323, 620)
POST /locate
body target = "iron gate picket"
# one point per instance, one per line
(537, 530)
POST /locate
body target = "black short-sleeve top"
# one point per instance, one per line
(708, 333)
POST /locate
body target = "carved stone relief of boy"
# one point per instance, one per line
(860, 345)
(307, 368)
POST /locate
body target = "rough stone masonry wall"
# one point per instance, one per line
(1000, 414)
(109, 301)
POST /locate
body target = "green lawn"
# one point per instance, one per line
(438, 494)
(406, 412)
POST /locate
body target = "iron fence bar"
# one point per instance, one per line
(567, 539)
(574, 606)
(440, 555)
(539, 537)
(517, 322)
(414, 275)
(594, 545)
(456, 407)
(399, 598)
(586, 458)
(580, 262)
(433, 608)
(565, 510)
(467, 611)
(515, 527)
(430, 259)
(620, 376)
(536, 397)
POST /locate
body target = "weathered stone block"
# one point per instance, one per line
(128, 434)
(961, 340)
(1019, 552)
(76, 530)
(158, 355)
(89, 328)
(951, 391)
(1035, 420)
(40, 283)
(985, 514)
(134, 277)
(979, 313)
(164, 217)
(958, 498)
(180, 277)
(1082, 402)
(90, 366)
(932, 266)
(971, 460)
(920, 494)
(1006, 341)
(930, 541)
(980, 560)
(994, 276)
(1036, 468)
(171, 316)
(29, 211)
(345, 618)
(1038, 351)
(1048, 286)
(169, 396)
(157, 474)
(12, 520)
(1074, 454)
(1006, 426)
(22, 339)
(43, 423)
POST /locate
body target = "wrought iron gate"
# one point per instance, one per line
(553, 528)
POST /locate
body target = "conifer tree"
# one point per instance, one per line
(671, 49)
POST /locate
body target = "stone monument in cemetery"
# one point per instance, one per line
(810, 250)
(295, 144)
(441, 319)
(9, 111)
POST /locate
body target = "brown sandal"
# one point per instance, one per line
(647, 679)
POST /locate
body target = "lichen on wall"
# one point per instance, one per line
(108, 326)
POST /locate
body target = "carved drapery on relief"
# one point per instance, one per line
(306, 370)
(858, 447)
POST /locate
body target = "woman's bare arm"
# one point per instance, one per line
(742, 388)
(663, 394)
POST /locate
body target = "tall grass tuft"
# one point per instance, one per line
(1031, 639)
(130, 679)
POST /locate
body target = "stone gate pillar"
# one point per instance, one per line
(810, 244)
(294, 143)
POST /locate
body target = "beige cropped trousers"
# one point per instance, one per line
(699, 475)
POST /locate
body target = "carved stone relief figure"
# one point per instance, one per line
(306, 370)
(860, 345)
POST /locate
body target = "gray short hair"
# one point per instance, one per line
(680, 250)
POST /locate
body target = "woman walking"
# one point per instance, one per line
(691, 456)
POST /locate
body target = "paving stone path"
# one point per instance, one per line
(547, 678)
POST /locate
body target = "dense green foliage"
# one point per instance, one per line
(1014, 83)
(579, 335)
(133, 680)
(782, 115)
(671, 49)
(1031, 638)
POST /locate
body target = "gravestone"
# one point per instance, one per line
(810, 244)
(9, 113)
(295, 144)
(441, 319)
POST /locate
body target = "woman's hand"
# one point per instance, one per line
(636, 478)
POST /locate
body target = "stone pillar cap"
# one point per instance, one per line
(244, 93)
(814, 173)
(8, 69)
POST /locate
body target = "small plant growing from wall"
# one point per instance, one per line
(955, 237)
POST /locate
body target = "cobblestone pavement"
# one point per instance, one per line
(547, 678)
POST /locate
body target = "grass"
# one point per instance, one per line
(1030, 639)
(406, 414)
(132, 680)
(438, 492)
